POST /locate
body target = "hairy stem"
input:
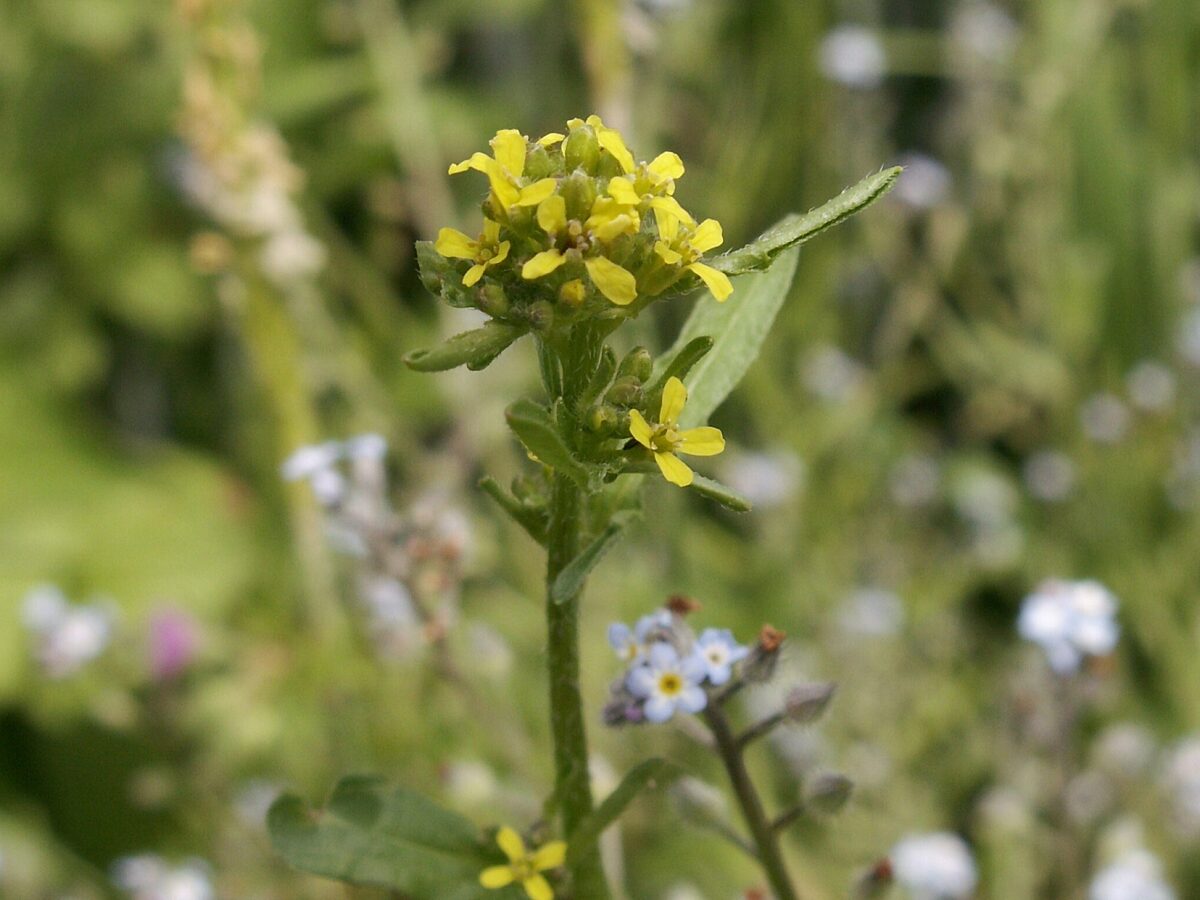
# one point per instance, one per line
(765, 839)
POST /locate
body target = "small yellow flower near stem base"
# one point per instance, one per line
(487, 251)
(665, 440)
(523, 867)
(684, 246)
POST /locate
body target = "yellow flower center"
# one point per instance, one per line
(664, 439)
(523, 869)
(670, 684)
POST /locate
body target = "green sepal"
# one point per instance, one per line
(535, 427)
(726, 496)
(651, 773)
(441, 276)
(376, 835)
(798, 228)
(570, 580)
(532, 519)
(474, 349)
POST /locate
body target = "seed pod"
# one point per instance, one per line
(638, 363)
(581, 150)
(625, 391)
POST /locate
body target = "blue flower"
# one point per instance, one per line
(667, 683)
(719, 651)
(631, 644)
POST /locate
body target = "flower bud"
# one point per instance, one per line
(492, 300)
(538, 163)
(760, 664)
(573, 293)
(637, 363)
(579, 193)
(581, 150)
(540, 315)
(807, 702)
(829, 792)
(625, 391)
(602, 419)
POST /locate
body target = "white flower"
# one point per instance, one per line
(915, 480)
(67, 637)
(871, 612)
(833, 375)
(631, 645)
(985, 31)
(1049, 475)
(1136, 875)
(719, 652)
(290, 256)
(925, 182)
(149, 877)
(853, 56)
(667, 683)
(766, 479)
(1070, 620)
(1105, 418)
(1151, 386)
(935, 866)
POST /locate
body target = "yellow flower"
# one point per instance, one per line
(682, 244)
(487, 251)
(614, 282)
(505, 169)
(665, 440)
(653, 184)
(524, 867)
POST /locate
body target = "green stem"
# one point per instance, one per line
(765, 839)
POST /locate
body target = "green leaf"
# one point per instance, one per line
(532, 520)
(535, 428)
(796, 229)
(714, 490)
(570, 579)
(678, 364)
(370, 834)
(476, 349)
(738, 328)
(641, 776)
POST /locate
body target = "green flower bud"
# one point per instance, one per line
(492, 300)
(539, 164)
(581, 150)
(579, 192)
(829, 792)
(540, 315)
(637, 363)
(603, 419)
(625, 391)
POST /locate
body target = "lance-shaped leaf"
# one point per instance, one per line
(678, 364)
(474, 349)
(738, 328)
(372, 834)
(570, 580)
(798, 228)
(652, 772)
(726, 496)
(537, 430)
(532, 519)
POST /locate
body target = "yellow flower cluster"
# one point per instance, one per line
(577, 210)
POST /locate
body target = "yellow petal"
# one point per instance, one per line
(672, 207)
(622, 191)
(669, 256)
(496, 877)
(501, 253)
(615, 283)
(453, 244)
(552, 214)
(717, 282)
(640, 429)
(491, 232)
(549, 140)
(705, 441)
(707, 236)
(610, 139)
(477, 161)
(509, 147)
(668, 222)
(674, 469)
(474, 274)
(538, 888)
(533, 194)
(510, 842)
(550, 856)
(542, 264)
(666, 165)
(611, 229)
(673, 398)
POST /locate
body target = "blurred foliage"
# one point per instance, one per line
(1041, 246)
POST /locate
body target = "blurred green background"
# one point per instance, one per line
(985, 380)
